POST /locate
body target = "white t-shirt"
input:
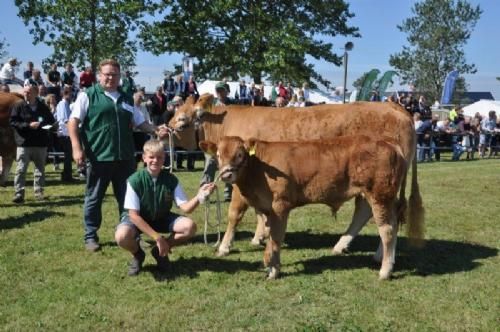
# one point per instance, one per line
(132, 201)
(81, 106)
(7, 72)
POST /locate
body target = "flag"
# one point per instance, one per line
(384, 81)
(449, 87)
(367, 85)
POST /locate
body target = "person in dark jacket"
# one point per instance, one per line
(158, 106)
(31, 120)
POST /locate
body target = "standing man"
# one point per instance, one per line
(128, 84)
(28, 118)
(54, 79)
(168, 85)
(107, 119)
(63, 113)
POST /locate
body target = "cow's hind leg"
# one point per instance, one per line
(362, 213)
(262, 231)
(385, 218)
(236, 211)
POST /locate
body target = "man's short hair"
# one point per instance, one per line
(153, 146)
(111, 62)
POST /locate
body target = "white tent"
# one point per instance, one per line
(483, 107)
(315, 96)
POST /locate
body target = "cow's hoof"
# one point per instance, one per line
(339, 251)
(273, 273)
(384, 275)
(257, 242)
(222, 251)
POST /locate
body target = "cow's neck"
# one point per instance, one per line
(213, 126)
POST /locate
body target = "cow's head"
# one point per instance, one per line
(232, 153)
(190, 112)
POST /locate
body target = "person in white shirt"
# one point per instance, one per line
(8, 72)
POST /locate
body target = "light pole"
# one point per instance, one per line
(347, 47)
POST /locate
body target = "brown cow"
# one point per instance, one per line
(7, 143)
(299, 124)
(277, 177)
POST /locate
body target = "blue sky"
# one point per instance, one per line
(380, 38)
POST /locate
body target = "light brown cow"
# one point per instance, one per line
(277, 177)
(7, 142)
(299, 124)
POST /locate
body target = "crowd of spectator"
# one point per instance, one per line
(462, 134)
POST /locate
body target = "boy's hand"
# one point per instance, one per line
(163, 246)
(205, 191)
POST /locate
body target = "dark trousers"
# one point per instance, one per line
(99, 175)
(65, 144)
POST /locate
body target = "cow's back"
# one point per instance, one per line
(317, 123)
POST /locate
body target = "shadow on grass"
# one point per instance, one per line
(438, 257)
(51, 201)
(191, 267)
(27, 218)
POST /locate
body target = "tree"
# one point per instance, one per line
(84, 31)
(3, 47)
(437, 34)
(262, 39)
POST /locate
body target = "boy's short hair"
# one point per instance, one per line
(153, 146)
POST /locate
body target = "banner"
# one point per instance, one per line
(384, 82)
(367, 86)
(187, 67)
(449, 87)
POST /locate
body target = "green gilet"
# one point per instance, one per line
(107, 129)
(156, 197)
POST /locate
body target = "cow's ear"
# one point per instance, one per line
(208, 147)
(251, 146)
(204, 103)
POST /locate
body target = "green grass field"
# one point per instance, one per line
(49, 283)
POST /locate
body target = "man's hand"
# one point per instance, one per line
(162, 131)
(34, 125)
(79, 156)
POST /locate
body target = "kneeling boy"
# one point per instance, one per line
(149, 197)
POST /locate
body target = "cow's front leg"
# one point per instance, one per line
(272, 254)
(236, 211)
(261, 231)
(5, 166)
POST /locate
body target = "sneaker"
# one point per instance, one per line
(161, 262)
(18, 199)
(92, 245)
(135, 264)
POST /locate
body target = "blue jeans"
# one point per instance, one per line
(99, 175)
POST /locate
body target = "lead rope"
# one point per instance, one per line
(218, 215)
(170, 151)
(217, 221)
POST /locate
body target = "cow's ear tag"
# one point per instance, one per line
(251, 151)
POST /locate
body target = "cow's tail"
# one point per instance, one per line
(416, 212)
